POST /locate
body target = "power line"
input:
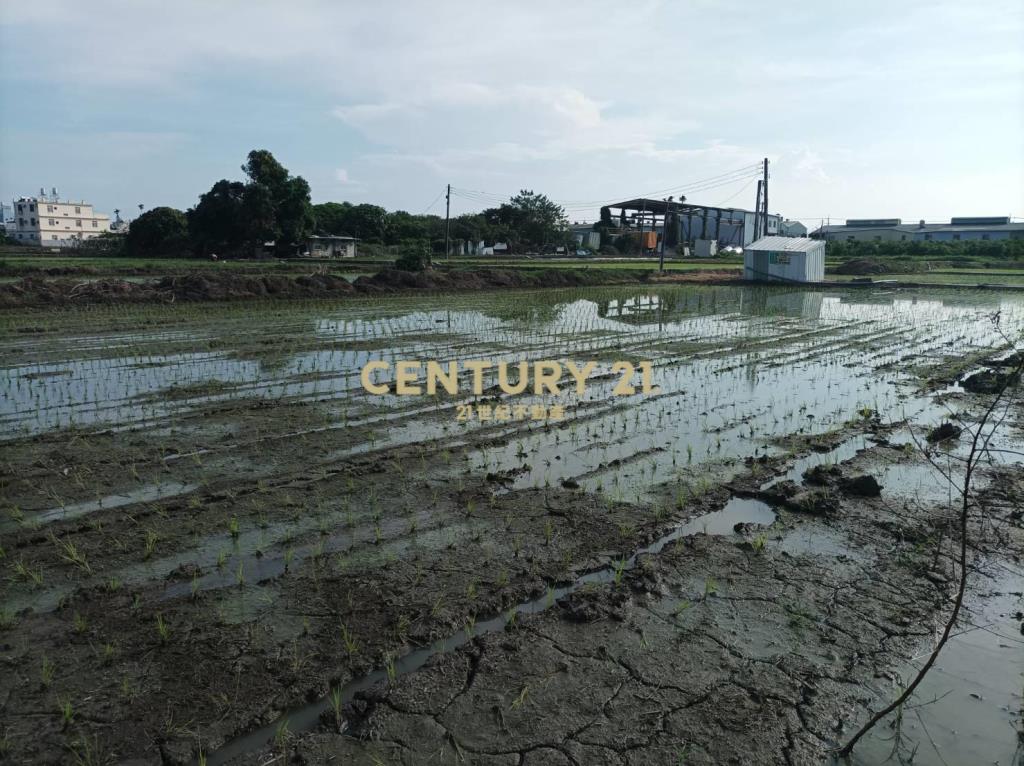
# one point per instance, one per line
(431, 205)
(738, 192)
(698, 185)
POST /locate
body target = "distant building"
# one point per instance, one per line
(686, 222)
(894, 230)
(585, 235)
(728, 226)
(46, 221)
(329, 247)
(792, 229)
(784, 259)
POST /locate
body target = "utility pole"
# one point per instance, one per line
(447, 221)
(757, 212)
(766, 196)
(643, 218)
(664, 239)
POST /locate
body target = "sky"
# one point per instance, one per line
(865, 110)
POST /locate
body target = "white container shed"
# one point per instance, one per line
(785, 259)
(706, 248)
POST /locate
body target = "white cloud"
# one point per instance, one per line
(578, 99)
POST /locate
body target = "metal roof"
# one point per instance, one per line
(974, 227)
(910, 228)
(658, 206)
(790, 244)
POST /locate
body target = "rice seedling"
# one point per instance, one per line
(150, 544)
(163, 630)
(349, 642)
(389, 667)
(710, 588)
(336, 708)
(67, 710)
(106, 654)
(520, 699)
(47, 671)
(86, 751)
(69, 552)
(619, 569)
(25, 573)
(282, 736)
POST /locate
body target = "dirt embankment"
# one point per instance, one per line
(33, 291)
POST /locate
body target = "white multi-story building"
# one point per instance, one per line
(49, 222)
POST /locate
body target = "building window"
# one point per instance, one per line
(21, 208)
(52, 223)
(53, 236)
(78, 223)
(956, 237)
(985, 236)
(31, 208)
(32, 221)
(95, 224)
(78, 210)
(903, 238)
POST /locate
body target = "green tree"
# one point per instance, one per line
(333, 218)
(289, 198)
(161, 231)
(261, 168)
(531, 220)
(217, 223)
(236, 218)
(294, 211)
(259, 216)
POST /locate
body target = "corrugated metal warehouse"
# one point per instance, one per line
(784, 259)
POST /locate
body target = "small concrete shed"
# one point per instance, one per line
(329, 247)
(784, 259)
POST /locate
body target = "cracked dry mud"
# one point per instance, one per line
(768, 664)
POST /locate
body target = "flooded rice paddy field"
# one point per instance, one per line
(216, 544)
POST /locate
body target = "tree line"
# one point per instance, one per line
(981, 248)
(240, 218)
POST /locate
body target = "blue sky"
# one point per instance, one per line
(896, 109)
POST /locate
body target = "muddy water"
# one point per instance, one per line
(970, 706)
(739, 359)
